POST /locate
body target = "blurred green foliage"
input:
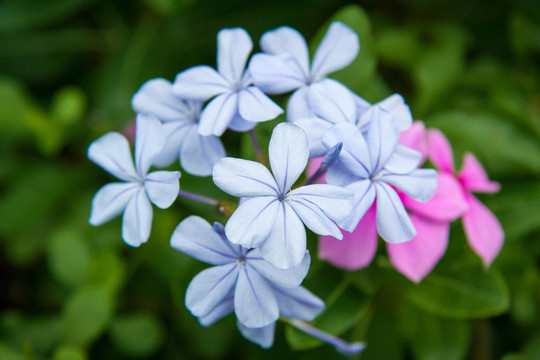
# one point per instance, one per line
(68, 69)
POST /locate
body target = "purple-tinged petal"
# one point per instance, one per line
(238, 123)
(223, 309)
(254, 302)
(254, 105)
(137, 219)
(364, 196)
(210, 288)
(416, 258)
(357, 249)
(314, 218)
(286, 40)
(339, 175)
(415, 138)
(199, 154)
(403, 160)
(155, 97)
(286, 278)
(275, 74)
(252, 221)
(263, 336)
(314, 128)
(483, 230)
(175, 133)
(285, 245)
(337, 49)
(420, 184)
(335, 201)
(447, 204)
(332, 101)
(234, 47)
(149, 140)
(298, 106)
(200, 83)
(110, 201)
(440, 151)
(393, 222)
(111, 152)
(288, 153)
(474, 178)
(382, 138)
(396, 106)
(218, 113)
(244, 178)
(162, 187)
(298, 303)
(195, 237)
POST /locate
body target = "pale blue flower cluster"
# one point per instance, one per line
(259, 257)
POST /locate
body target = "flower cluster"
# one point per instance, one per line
(373, 180)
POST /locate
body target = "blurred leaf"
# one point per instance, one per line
(68, 105)
(383, 339)
(400, 46)
(7, 353)
(106, 272)
(137, 334)
(170, 7)
(435, 338)
(69, 352)
(68, 256)
(531, 350)
(24, 331)
(15, 102)
(525, 34)
(86, 315)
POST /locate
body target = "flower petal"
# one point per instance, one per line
(357, 249)
(415, 138)
(337, 49)
(335, 201)
(447, 204)
(382, 138)
(252, 221)
(263, 336)
(254, 302)
(314, 128)
(137, 219)
(403, 160)
(244, 178)
(393, 223)
(162, 187)
(200, 83)
(287, 278)
(275, 74)
(210, 288)
(110, 201)
(234, 47)
(111, 152)
(286, 40)
(195, 237)
(288, 152)
(155, 97)
(175, 132)
(298, 303)
(199, 154)
(416, 258)
(254, 105)
(332, 101)
(285, 245)
(400, 111)
(298, 106)
(474, 177)
(223, 309)
(420, 184)
(440, 151)
(364, 196)
(484, 232)
(314, 218)
(218, 113)
(149, 140)
(238, 123)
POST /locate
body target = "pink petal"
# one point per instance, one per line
(440, 151)
(483, 230)
(357, 249)
(313, 166)
(474, 177)
(447, 204)
(416, 258)
(415, 138)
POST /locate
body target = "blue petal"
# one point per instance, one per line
(200, 83)
(162, 187)
(334, 201)
(382, 138)
(199, 154)
(112, 153)
(298, 303)
(403, 160)
(364, 195)
(393, 222)
(263, 336)
(218, 113)
(223, 309)
(110, 201)
(238, 123)
(282, 277)
(137, 219)
(286, 40)
(244, 178)
(149, 140)
(234, 47)
(314, 128)
(298, 106)
(175, 133)
(332, 101)
(275, 74)
(396, 106)
(419, 184)
(254, 105)
(194, 236)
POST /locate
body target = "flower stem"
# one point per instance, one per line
(341, 345)
(199, 198)
(256, 147)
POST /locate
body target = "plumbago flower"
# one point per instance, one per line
(139, 188)
(243, 282)
(371, 166)
(284, 65)
(272, 216)
(236, 103)
(197, 153)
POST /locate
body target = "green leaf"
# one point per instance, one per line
(435, 338)
(86, 315)
(68, 256)
(106, 271)
(7, 353)
(137, 334)
(68, 105)
(399, 46)
(69, 352)
(15, 102)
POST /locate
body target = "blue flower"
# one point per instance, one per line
(371, 166)
(243, 282)
(138, 189)
(236, 103)
(180, 118)
(271, 215)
